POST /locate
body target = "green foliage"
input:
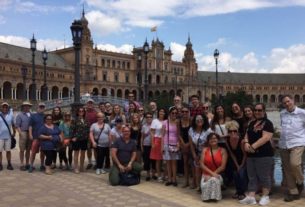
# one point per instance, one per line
(165, 100)
(240, 97)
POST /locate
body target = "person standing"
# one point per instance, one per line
(22, 126)
(99, 137)
(90, 119)
(36, 122)
(79, 137)
(292, 144)
(259, 156)
(5, 134)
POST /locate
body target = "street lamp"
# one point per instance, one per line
(216, 56)
(33, 89)
(44, 87)
(139, 75)
(176, 85)
(146, 50)
(24, 71)
(76, 30)
(205, 91)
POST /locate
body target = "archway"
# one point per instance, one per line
(257, 98)
(54, 92)
(65, 92)
(95, 91)
(157, 94)
(150, 95)
(112, 92)
(272, 98)
(297, 98)
(126, 93)
(158, 79)
(7, 90)
(119, 93)
(104, 92)
(19, 92)
(265, 98)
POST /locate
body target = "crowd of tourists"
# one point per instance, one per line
(211, 148)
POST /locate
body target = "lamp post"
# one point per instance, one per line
(44, 87)
(24, 71)
(146, 50)
(139, 75)
(216, 55)
(176, 85)
(205, 91)
(33, 89)
(76, 30)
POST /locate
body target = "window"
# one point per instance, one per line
(116, 77)
(123, 65)
(104, 76)
(127, 78)
(119, 64)
(103, 63)
(113, 63)
(128, 65)
(108, 63)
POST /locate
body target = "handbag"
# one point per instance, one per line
(171, 148)
(129, 178)
(13, 139)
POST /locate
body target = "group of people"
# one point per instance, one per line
(211, 148)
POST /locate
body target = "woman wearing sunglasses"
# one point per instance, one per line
(237, 159)
(260, 156)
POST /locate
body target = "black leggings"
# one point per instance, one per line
(101, 156)
(50, 154)
(148, 163)
(62, 155)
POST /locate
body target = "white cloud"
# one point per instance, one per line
(220, 42)
(29, 6)
(177, 50)
(125, 48)
(280, 60)
(102, 24)
(50, 44)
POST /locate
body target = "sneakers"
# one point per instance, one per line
(264, 201)
(160, 179)
(98, 171)
(89, 166)
(248, 201)
(42, 168)
(103, 171)
(291, 197)
(1, 167)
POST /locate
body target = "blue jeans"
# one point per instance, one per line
(241, 180)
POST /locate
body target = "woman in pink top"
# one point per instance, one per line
(171, 145)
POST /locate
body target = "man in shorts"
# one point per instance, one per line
(5, 135)
(36, 122)
(91, 119)
(22, 126)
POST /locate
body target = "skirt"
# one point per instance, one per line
(168, 155)
(155, 153)
(211, 188)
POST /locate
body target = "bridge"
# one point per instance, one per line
(66, 102)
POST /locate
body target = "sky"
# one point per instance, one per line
(257, 36)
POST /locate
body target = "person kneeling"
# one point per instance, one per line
(123, 153)
(213, 162)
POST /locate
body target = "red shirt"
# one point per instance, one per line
(209, 162)
(196, 111)
(91, 116)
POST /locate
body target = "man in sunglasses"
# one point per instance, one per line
(292, 145)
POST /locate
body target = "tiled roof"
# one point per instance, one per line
(252, 78)
(24, 55)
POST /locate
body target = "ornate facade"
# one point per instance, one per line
(117, 74)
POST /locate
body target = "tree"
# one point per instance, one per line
(240, 97)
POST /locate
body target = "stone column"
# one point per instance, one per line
(12, 93)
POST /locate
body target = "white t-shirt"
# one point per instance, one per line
(146, 131)
(157, 126)
(221, 130)
(102, 138)
(199, 138)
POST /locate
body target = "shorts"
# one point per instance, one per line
(24, 141)
(35, 145)
(80, 145)
(5, 145)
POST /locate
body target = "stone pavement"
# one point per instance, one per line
(65, 188)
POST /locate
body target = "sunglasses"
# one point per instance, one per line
(231, 131)
(141, 110)
(205, 107)
(100, 117)
(174, 113)
(184, 111)
(258, 110)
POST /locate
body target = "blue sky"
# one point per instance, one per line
(252, 35)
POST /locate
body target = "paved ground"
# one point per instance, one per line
(87, 189)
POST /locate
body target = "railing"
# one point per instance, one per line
(66, 102)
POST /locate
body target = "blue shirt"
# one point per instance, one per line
(36, 122)
(4, 133)
(49, 144)
(23, 121)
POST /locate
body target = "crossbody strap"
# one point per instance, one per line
(6, 125)
(211, 151)
(102, 129)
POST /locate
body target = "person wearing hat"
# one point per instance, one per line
(116, 131)
(91, 119)
(36, 122)
(5, 138)
(22, 126)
